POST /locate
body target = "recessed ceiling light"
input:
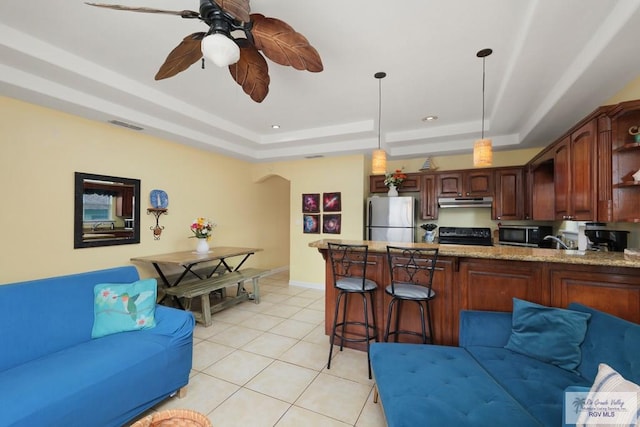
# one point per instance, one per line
(429, 118)
(275, 126)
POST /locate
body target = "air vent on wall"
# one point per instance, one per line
(125, 124)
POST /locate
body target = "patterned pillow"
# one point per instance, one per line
(120, 307)
(610, 386)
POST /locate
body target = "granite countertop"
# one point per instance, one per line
(514, 253)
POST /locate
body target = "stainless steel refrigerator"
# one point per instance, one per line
(391, 219)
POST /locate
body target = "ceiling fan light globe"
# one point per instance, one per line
(220, 50)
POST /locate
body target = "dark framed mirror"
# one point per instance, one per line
(106, 211)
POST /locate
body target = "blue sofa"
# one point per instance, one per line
(52, 373)
(481, 383)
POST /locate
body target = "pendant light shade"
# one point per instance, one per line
(379, 162)
(379, 159)
(482, 153)
(482, 149)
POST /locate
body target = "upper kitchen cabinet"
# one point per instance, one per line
(509, 194)
(467, 183)
(429, 199)
(575, 171)
(411, 184)
(625, 120)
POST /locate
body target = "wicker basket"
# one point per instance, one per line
(174, 418)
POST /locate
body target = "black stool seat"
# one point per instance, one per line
(349, 270)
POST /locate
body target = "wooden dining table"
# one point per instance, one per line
(189, 259)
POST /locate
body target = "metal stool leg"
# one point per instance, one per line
(422, 327)
(344, 319)
(333, 329)
(429, 320)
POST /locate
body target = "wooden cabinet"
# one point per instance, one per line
(125, 202)
(487, 284)
(428, 197)
(471, 183)
(509, 199)
(411, 184)
(574, 174)
(626, 162)
(613, 290)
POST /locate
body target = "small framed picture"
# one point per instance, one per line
(311, 203)
(311, 224)
(331, 223)
(331, 202)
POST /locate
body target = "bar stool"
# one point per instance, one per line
(349, 268)
(411, 271)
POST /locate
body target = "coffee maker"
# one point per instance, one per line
(601, 239)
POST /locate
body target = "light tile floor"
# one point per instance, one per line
(265, 365)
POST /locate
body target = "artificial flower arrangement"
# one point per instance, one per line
(202, 228)
(396, 178)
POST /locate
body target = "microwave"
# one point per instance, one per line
(525, 235)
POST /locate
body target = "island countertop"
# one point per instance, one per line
(513, 253)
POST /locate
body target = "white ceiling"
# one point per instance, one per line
(554, 62)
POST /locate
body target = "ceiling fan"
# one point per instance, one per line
(235, 39)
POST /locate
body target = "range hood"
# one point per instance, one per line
(465, 202)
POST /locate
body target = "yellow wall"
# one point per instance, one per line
(42, 148)
(322, 175)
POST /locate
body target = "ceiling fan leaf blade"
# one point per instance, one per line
(252, 73)
(182, 57)
(182, 13)
(284, 45)
(239, 9)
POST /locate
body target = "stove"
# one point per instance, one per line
(465, 236)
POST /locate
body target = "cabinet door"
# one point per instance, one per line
(583, 166)
(491, 284)
(450, 184)
(376, 184)
(429, 202)
(614, 291)
(562, 179)
(412, 183)
(478, 183)
(509, 200)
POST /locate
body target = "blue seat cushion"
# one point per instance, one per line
(537, 385)
(423, 385)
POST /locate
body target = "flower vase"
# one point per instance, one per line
(203, 246)
(393, 191)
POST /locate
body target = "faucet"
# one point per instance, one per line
(559, 243)
(95, 226)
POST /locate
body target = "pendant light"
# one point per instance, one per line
(379, 160)
(482, 150)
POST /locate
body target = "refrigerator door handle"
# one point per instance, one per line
(369, 222)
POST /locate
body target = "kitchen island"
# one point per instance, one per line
(488, 277)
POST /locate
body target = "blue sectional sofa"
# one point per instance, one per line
(482, 383)
(53, 373)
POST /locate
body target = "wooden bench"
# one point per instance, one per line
(190, 288)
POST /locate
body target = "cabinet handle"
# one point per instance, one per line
(459, 194)
(499, 217)
(468, 193)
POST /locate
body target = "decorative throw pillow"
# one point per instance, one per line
(621, 408)
(120, 307)
(552, 335)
